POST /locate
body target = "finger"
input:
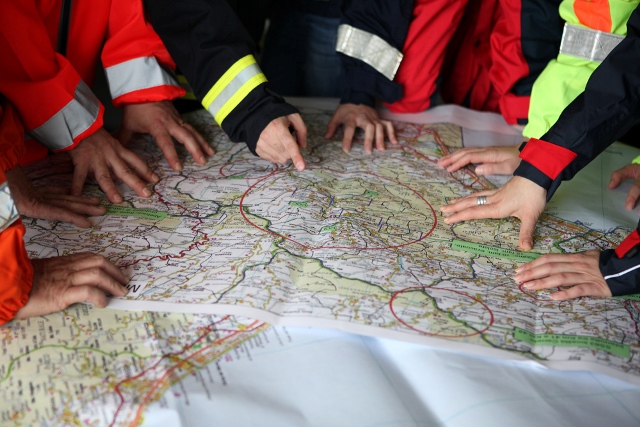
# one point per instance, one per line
(165, 143)
(632, 197)
(379, 134)
(475, 212)
(140, 166)
(527, 228)
(391, 131)
(470, 158)
(55, 213)
(79, 178)
(501, 168)
(300, 128)
(103, 176)
(466, 202)
(347, 137)
(616, 179)
(79, 294)
(294, 153)
(133, 181)
(204, 145)
(456, 155)
(50, 194)
(89, 260)
(369, 132)
(186, 138)
(78, 207)
(332, 127)
(580, 290)
(98, 278)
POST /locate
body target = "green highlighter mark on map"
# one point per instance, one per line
(596, 343)
(140, 213)
(492, 251)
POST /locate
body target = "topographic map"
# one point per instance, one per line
(354, 242)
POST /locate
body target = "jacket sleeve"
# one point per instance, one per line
(215, 53)
(370, 40)
(56, 106)
(606, 110)
(137, 64)
(15, 267)
(620, 267)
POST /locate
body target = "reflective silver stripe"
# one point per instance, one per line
(586, 43)
(234, 86)
(233, 89)
(137, 74)
(622, 273)
(8, 212)
(369, 48)
(74, 118)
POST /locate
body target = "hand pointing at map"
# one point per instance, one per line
(519, 198)
(277, 144)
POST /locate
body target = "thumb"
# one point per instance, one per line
(527, 227)
(331, 128)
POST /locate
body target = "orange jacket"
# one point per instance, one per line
(51, 91)
(15, 267)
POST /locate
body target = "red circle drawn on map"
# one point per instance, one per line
(251, 165)
(422, 288)
(273, 233)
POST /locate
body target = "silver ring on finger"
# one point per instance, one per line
(481, 200)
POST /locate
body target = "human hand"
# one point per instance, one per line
(361, 116)
(277, 144)
(61, 281)
(490, 160)
(631, 171)
(100, 154)
(580, 272)
(519, 198)
(162, 121)
(52, 203)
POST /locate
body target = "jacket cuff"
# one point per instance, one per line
(621, 274)
(247, 121)
(16, 270)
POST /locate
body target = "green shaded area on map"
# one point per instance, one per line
(140, 213)
(573, 341)
(492, 251)
(635, 297)
(298, 204)
(329, 228)
(236, 177)
(370, 193)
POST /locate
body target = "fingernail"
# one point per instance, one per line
(124, 290)
(117, 199)
(479, 170)
(146, 192)
(446, 220)
(155, 178)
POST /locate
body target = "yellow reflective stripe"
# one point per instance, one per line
(234, 85)
(239, 96)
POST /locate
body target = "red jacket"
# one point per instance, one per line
(15, 267)
(487, 54)
(51, 91)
